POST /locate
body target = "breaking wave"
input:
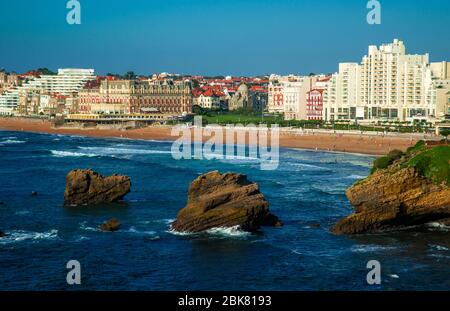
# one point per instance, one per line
(437, 226)
(371, 248)
(111, 151)
(20, 236)
(356, 177)
(233, 232)
(12, 142)
(64, 154)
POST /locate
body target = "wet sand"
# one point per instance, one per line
(352, 143)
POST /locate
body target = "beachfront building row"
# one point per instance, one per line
(41, 94)
(388, 85)
(137, 97)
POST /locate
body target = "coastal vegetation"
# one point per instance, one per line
(431, 162)
(248, 116)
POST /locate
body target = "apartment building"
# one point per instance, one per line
(275, 97)
(65, 83)
(315, 99)
(387, 85)
(288, 95)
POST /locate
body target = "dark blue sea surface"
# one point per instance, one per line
(307, 188)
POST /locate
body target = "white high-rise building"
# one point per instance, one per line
(66, 82)
(388, 85)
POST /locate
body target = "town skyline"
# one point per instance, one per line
(148, 73)
(251, 39)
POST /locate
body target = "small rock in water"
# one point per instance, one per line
(272, 221)
(2, 234)
(34, 193)
(111, 225)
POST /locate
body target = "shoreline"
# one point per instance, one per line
(354, 143)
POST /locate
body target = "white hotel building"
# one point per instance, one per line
(66, 82)
(388, 85)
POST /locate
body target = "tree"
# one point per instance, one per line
(130, 75)
(195, 83)
(445, 133)
(46, 71)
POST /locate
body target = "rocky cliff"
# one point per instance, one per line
(89, 187)
(224, 200)
(404, 190)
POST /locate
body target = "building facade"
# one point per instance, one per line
(66, 82)
(388, 85)
(136, 97)
(288, 95)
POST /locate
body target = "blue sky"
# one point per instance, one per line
(212, 37)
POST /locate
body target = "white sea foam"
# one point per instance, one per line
(174, 232)
(371, 248)
(439, 248)
(356, 177)
(168, 221)
(438, 226)
(84, 226)
(228, 232)
(126, 151)
(394, 276)
(64, 154)
(12, 142)
(138, 232)
(233, 232)
(20, 236)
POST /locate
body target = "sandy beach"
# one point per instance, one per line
(337, 142)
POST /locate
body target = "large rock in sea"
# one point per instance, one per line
(223, 200)
(89, 187)
(408, 191)
(2, 234)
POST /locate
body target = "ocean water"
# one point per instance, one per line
(308, 188)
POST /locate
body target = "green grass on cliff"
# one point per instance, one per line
(433, 164)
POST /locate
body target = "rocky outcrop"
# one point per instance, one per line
(88, 187)
(395, 198)
(223, 200)
(2, 234)
(110, 226)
